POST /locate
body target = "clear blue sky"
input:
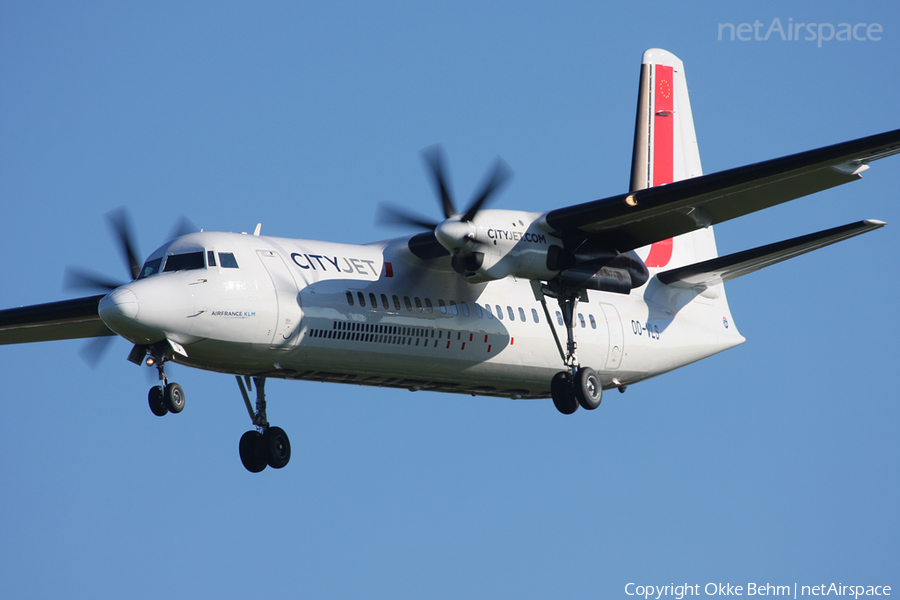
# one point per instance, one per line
(774, 462)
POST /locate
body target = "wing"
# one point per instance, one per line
(725, 268)
(68, 319)
(642, 217)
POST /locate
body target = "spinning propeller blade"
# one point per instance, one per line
(499, 176)
(393, 215)
(76, 278)
(121, 226)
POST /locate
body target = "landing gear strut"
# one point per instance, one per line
(265, 445)
(165, 398)
(577, 385)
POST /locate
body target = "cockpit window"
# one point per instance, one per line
(227, 260)
(183, 262)
(150, 267)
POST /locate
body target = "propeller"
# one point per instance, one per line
(85, 279)
(94, 350)
(182, 227)
(456, 233)
(121, 226)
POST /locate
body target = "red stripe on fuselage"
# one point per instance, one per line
(663, 150)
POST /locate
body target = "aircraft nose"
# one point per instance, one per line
(119, 308)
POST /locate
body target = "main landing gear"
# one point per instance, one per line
(577, 385)
(265, 445)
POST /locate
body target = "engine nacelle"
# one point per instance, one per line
(502, 243)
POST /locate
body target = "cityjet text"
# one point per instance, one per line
(320, 262)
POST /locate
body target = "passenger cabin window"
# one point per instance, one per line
(226, 259)
(150, 267)
(185, 262)
(534, 315)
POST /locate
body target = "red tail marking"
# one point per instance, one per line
(662, 126)
(660, 254)
(663, 151)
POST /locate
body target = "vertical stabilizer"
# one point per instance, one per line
(665, 150)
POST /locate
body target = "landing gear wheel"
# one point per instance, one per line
(174, 398)
(588, 389)
(157, 404)
(252, 455)
(563, 393)
(276, 447)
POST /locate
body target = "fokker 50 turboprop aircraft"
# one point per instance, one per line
(634, 283)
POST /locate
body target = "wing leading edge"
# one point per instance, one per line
(629, 221)
(65, 320)
(725, 268)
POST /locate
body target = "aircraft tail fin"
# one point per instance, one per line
(665, 150)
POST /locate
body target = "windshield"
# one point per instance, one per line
(183, 262)
(150, 267)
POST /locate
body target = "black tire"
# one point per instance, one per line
(174, 398)
(276, 447)
(252, 455)
(588, 389)
(563, 393)
(157, 404)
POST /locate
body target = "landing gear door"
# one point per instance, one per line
(287, 328)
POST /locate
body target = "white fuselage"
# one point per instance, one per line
(376, 315)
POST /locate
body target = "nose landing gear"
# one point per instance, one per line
(266, 445)
(165, 398)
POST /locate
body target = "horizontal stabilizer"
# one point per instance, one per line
(65, 320)
(724, 268)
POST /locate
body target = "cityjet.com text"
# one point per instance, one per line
(678, 592)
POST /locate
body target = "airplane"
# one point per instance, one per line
(564, 304)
